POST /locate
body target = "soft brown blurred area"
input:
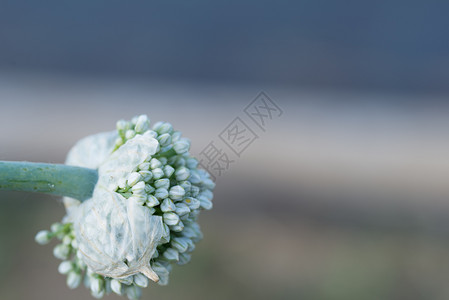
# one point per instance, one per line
(343, 197)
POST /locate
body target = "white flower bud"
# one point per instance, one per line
(191, 246)
(209, 184)
(161, 193)
(162, 271)
(167, 205)
(168, 170)
(74, 244)
(194, 191)
(56, 227)
(182, 174)
(65, 267)
(198, 234)
(162, 183)
(182, 146)
(180, 162)
(150, 133)
(182, 209)
(133, 292)
(146, 175)
(133, 178)
(139, 188)
(116, 286)
(177, 192)
(190, 232)
(145, 166)
(96, 285)
(127, 280)
(73, 280)
(208, 194)
(165, 128)
(184, 258)
(171, 254)
(164, 139)
(67, 240)
(157, 173)
(43, 237)
(61, 251)
(205, 203)
(123, 125)
(141, 280)
(118, 142)
(176, 136)
(191, 163)
(130, 134)
(194, 178)
(178, 227)
(171, 218)
(142, 124)
(157, 125)
(155, 163)
(192, 203)
(80, 263)
(149, 189)
(151, 201)
(180, 244)
(186, 185)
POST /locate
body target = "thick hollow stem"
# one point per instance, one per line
(55, 179)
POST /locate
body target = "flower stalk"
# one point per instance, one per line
(55, 179)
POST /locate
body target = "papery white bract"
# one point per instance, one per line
(117, 237)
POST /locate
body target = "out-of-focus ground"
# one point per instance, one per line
(344, 196)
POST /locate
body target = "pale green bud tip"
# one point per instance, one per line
(161, 193)
(182, 146)
(141, 280)
(133, 178)
(142, 124)
(157, 173)
(130, 134)
(177, 192)
(116, 286)
(182, 174)
(171, 254)
(167, 205)
(73, 279)
(96, 285)
(65, 267)
(43, 237)
(164, 139)
(171, 218)
(133, 292)
(180, 244)
(61, 251)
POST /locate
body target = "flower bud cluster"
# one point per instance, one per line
(169, 185)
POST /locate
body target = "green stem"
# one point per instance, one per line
(55, 179)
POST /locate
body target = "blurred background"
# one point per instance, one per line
(342, 196)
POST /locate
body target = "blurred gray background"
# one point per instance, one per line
(343, 196)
